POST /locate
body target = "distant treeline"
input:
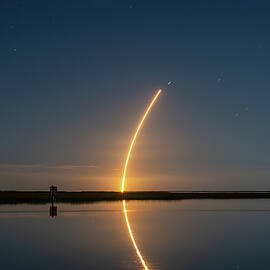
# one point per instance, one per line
(42, 197)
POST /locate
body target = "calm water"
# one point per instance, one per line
(191, 234)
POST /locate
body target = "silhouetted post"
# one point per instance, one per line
(53, 190)
(53, 209)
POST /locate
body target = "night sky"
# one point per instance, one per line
(76, 76)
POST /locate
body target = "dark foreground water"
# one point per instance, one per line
(188, 235)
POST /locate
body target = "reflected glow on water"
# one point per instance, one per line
(132, 237)
(171, 235)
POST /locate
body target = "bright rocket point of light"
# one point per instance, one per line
(135, 136)
(124, 177)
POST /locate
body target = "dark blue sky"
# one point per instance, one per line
(77, 75)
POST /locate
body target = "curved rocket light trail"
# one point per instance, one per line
(124, 178)
(135, 136)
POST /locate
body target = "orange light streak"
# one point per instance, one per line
(135, 136)
(124, 178)
(133, 239)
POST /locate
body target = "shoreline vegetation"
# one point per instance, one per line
(43, 197)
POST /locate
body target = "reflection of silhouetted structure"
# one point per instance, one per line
(53, 209)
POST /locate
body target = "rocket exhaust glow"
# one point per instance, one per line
(124, 178)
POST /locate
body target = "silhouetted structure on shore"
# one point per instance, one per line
(53, 209)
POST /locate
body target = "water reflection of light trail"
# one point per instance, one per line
(124, 178)
(132, 238)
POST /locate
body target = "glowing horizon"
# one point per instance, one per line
(135, 136)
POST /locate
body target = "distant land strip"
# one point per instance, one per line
(42, 197)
